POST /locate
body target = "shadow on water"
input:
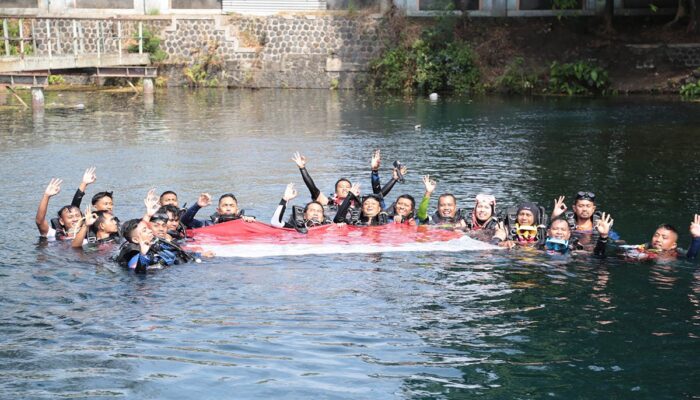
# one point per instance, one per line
(488, 324)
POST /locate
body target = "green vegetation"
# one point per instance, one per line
(56, 80)
(207, 64)
(517, 79)
(579, 78)
(691, 90)
(13, 34)
(151, 45)
(436, 61)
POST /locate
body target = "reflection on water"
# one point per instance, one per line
(408, 325)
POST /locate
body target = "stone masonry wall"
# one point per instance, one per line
(287, 51)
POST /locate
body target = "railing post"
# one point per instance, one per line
(82, 37)
(140, 37)
(75, 39)
(98, 43)
(48, 36)
(21, 37)
(58, 39)
(119, 40)
(34, 38)
(99, 38)
(6, 35)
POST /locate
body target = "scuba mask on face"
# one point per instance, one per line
(526, 231)
(558, 245)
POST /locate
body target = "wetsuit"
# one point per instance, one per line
(356, 216)
(377, 187)
(333, 201)
(161, 254)
(296, 220)
(189, 221)
(436, 218)
(391, 215)
(645, 252)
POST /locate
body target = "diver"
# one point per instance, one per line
(227, 210)
(168, 198)
(663, 245)
(100, 227)
(369, 214)
(69, 217)
(143, 252)
(175, 228)
(332, 202)
(483, 216)
(559, 240)
(89, 177)
(398, 173)
(584, 218)
(447, 214)
(301, 219)
(526, 227)
(403, 210)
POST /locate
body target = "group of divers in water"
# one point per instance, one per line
(156, 240)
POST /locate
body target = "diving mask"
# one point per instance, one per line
(558, 245)
(526, 231)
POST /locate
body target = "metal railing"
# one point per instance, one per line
(50, 35)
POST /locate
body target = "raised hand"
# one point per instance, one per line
(501, 233)
(430, 184)
(89, 176)
(54, 187)
(695, 226)
(559, 207)
(299, 160)
(289, 193)
(204, 200)
(355, 189)
(396, 173)
(376, 160)
(151, 202)
(605, 223)
(90, 217)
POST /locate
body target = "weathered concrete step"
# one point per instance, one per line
(44, 63)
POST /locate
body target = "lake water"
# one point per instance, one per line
(418, 325)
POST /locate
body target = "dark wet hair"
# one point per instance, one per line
(159, 216)
(341, 180)
(167, 192)
(169, 209)
(668, 227)
(447, 195)
(101, 217)
(225, 195)
(373, 197)
(560, 218)
(100, 195)
(68, 208)
(128, 229)
(306, 207)
(409, 198)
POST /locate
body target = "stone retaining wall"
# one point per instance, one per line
(294, 51)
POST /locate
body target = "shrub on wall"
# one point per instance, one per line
(578, 78)
(151, 45)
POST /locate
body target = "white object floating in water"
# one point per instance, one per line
(433, 96)
(80, 106)
(417, 127)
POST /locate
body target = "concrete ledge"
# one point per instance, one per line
(38, 63)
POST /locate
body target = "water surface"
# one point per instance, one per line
(426, 325)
